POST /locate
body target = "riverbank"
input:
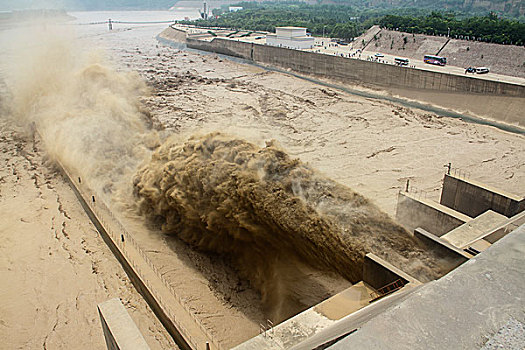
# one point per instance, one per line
(424, 84)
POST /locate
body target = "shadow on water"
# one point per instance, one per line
(400, 101)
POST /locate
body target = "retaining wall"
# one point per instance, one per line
(223, 46)
(483, 98)
(350, 70)
(413, 212)
(473, 198)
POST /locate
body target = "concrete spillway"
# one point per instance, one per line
(187, 331)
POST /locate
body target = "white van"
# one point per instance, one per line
(482, 70)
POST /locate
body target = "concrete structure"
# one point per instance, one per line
(475, 229)
(120, 331)
(462, 310)
(502, 101)
(473, 198)
(508, 226)
(453, 254)
(413, 212)
(378, 273)
(311, 321)
(290, 37)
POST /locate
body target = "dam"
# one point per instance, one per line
(378, 287)
(193, 288)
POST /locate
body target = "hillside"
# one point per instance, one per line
(514, 8)
(502, 59)
(508, 8)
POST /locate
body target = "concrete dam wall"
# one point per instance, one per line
(486, 98)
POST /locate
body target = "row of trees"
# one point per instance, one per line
(336, 21)
(487, 28)
(505, 8)
(346, 22)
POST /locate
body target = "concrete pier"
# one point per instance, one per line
(413, 212)
(120, 331)
(475, 229)
(473, 198)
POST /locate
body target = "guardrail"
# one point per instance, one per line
(416, 192)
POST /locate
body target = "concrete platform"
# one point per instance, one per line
(120, 331)
(312, 321)
(475, 229)
(462, 310)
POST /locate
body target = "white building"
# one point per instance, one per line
(234, 8)
(291, 37)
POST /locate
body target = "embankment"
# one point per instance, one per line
(501, 59)
(479, 97)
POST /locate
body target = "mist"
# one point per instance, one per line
(88, 114)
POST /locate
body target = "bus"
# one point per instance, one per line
(438, 60)
(401, 61)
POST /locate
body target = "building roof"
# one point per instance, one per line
(290, 28)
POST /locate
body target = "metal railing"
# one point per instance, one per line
(388, 289)
(416, 192)
(460, 173)
(457, 172)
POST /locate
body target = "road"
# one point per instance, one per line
(324, 45)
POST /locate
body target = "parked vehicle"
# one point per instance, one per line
(379, 55)
(482, 70)
(401, 61)
(470, 70)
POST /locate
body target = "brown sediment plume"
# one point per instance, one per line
(268, 211)
(87, 112)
